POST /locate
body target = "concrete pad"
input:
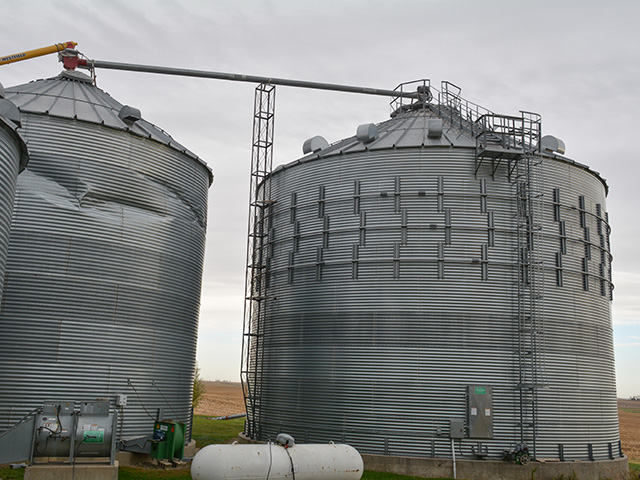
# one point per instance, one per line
(71, 472)
(617, 469)
(132, 458)
(190, 449)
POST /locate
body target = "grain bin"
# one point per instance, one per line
(439, 281)
(105, 261)
(13, 159)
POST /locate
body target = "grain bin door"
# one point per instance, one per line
(479, 411)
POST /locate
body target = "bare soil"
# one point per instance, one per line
(225, 398)
(221, 399)
(630, 428)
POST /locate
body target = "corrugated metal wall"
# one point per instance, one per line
(104, 270)
(392, 286)
(11, 152)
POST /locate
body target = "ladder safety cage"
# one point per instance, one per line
(514, 142)
(525, 173)
(257, 254)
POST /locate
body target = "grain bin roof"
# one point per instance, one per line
(412, 128)
(72, 95)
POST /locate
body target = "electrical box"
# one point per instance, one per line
(94, 408)
(457, 429)
(168, 440)
(62, 408)
(480, 411)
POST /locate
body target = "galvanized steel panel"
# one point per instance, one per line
(376, 345)
(104, 272)
(12, 155)
(72, 95)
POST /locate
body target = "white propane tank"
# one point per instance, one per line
(273, 461)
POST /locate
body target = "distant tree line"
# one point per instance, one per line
(635, 397)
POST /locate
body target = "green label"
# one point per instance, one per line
(93, 436)
(481, 391)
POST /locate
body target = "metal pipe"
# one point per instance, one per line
(234, 77)
(229, 417)
(453, 453)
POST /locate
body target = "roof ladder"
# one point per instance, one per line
(511, 144)
(525, 174)
(258, 241)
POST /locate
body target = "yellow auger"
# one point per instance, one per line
(38, 52)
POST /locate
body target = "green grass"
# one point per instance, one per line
(206, 432)
(10, 474)
(630, 410)
(369, 475)
(634, 467)
(130, 473)
(133, 473)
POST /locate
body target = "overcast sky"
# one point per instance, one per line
(577, 63)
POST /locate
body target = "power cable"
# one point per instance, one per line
(20, 422)
(270, 459)
(59, 427)
(293, 472)
(121, 421)
(140, 400)
(153, 382)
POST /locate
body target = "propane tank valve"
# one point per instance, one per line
(285, 440)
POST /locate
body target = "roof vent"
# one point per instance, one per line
(10, 111)
(129, 115)
(314, 144)
(1, 91)
(367, 133)
(551, 144)
(435, 128)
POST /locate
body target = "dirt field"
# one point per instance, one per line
(630, 428)
(221, 398)
(225, 398)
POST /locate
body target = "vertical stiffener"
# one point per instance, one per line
(444, 251)
(102, 289)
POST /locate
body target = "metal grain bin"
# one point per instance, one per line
(440, 279)
(13, 158)
(105, 261)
